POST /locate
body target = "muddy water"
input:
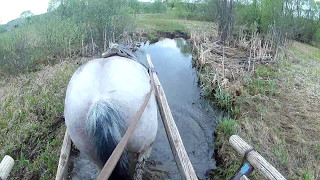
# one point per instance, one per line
(195, 119)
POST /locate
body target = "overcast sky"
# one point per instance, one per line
(11, 9)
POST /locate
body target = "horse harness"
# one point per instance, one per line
(122, 51)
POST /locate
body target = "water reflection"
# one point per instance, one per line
(184, 47)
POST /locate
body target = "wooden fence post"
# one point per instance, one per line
(255, 159)
(175, 141)
(64, 158)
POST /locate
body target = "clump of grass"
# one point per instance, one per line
(153, 37)
(227, 165)
(263, 82)
(227, 126)
(205, 82)
(262, 86)
(223, 100)
(265, 71)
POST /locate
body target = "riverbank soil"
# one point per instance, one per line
(279, 116)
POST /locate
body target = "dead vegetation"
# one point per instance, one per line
(272, 99)
(230, 64)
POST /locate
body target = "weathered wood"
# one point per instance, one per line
(244, 177)
(64, 158)
(175, 141)
(6, 166)
(255, 159)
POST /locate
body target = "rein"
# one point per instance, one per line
(117, 152)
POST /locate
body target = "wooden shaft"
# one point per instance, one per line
(6, 166)
(175, 141)
(64, 158)
(255, 159)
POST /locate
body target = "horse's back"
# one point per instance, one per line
(117, 80)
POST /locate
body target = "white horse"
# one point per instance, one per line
(102, 97)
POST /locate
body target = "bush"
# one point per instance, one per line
(42, 41)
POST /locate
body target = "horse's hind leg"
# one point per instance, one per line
(142, 158)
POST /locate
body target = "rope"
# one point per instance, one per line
(242, 163)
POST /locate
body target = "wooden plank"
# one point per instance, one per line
(64, 158)
(244, 177)
(255, 159)
(175, 141)
(6, 166)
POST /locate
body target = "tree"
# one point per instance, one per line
(26, 14)
(225, 12)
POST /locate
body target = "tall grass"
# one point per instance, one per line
(63, 33)
(40, 42)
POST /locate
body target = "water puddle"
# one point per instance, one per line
(194, 117)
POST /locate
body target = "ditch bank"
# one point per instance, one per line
(270, 100)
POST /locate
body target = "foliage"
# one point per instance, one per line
(26, 14)
(36, 43)
(162, 24)
(297, 19)
(145, 7)
(2, 28)
(62, 33)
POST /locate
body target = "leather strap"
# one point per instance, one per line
(117, 152)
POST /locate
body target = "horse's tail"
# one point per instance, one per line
(106, 126)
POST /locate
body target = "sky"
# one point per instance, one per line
(11, 9)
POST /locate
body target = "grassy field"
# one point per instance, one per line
(156, 25)
(279, 116)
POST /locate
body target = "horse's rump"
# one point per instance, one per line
(102, 97)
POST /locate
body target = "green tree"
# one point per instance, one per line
(26, 14)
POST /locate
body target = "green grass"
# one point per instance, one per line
(265, 71)
(161, 23)
(259, 85)
(227, 126)
(166, 23)
(223, 100)
(31, 119)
